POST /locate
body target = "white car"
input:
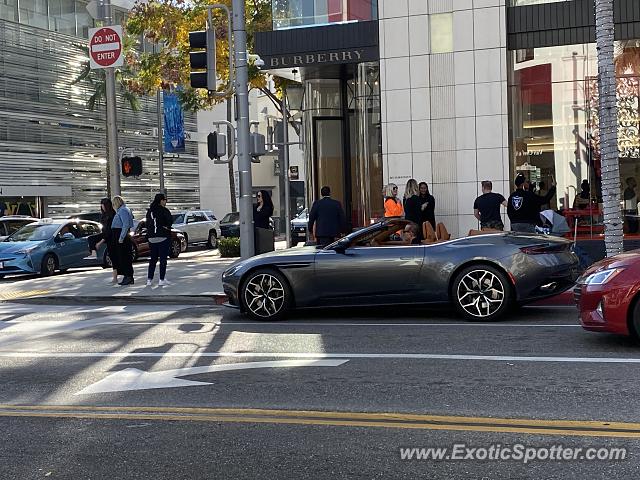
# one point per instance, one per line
(12, 223)
(198, 226)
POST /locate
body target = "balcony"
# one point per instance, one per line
(306, 13)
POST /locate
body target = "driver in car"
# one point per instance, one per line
(410, 234)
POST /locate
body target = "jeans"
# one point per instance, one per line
(158, 251)
(523, 227)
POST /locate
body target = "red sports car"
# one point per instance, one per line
(608, 295)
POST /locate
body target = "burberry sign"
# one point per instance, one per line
(356, 55)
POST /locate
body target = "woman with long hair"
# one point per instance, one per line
(120, 226)
(263, 210)
(159, 222)
(427, 204)
(105, 237)
(392, 206)
(411, 202)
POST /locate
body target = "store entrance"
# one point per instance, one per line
(329, 162)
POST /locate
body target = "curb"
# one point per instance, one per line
(214, 300)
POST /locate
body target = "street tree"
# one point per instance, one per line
(608, 127)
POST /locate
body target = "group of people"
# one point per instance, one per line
(117, 221)
(417, 205)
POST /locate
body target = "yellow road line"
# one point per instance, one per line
(340, 419)
(12, 295)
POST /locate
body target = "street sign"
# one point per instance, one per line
(105, 47)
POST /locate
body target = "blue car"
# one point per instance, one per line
(47, 246)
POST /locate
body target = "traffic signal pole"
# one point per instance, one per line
(247, 247)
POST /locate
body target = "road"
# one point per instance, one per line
(171, 391)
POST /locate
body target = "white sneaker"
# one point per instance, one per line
(164, 283)
(148, 282)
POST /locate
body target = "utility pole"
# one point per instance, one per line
(247, 246)
(113, 169)
(160, 132)
(285, 168)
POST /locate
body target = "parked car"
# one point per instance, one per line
(482, 276)
(230, 225)
(140, 244)
(608, 295)
(93, 216)
(198, 226)
(299, 227)
(12, 223)
(47, 246)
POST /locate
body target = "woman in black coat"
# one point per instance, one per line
(107, 213)
(427, 204)
(263, 210)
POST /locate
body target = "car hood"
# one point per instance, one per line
(622, 260)
(14, 247)
(300, 221)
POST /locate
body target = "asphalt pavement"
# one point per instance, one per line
(179, 391)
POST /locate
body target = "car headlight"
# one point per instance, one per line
(231, 271)
(26, 251)
(601, 277)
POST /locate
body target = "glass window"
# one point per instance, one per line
(296, 13)
(83, 20)
(178, 218)
(87, 229)
(34, 13)
(9, 10)
(442, 33)
(555, 132)
(62, 16)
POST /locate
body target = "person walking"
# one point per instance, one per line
(486, 207)
(105, 237)
(392, 206)
(159, 222)
(411, 202)
(427, 204)
(327, 217)
(120, 227)
(523, 206)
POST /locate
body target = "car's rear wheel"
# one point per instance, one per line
(49, 265)
(175, 248)
(186, 242)
(266, 295)
(481, 293)
(212, 241)
(634, 324)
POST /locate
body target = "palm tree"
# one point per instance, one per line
(608, 126)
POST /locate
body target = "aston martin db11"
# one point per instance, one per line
(481, 275)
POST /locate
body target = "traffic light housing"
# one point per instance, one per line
(216, 145)
(131, 166)
(202, 59)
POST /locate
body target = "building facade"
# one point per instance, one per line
(52, 147)
(453, 92)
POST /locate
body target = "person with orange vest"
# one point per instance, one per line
(392, 205)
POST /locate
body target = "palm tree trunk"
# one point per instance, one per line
(608, 119)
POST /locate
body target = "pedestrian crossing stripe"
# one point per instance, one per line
(22, 294)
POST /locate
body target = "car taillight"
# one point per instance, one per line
(544, 249)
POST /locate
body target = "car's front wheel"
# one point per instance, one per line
(481, 293)
(212, 241)
(175, 248)
(49, 265)
(266, 295)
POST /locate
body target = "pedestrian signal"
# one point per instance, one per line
(131, 166)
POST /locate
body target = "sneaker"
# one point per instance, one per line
(164, 283)
(148, 282)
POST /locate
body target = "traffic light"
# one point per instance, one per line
(131, 166)
(203, 59)
(216, 145)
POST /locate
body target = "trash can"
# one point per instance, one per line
(264, 240)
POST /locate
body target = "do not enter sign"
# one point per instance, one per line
(105, 47)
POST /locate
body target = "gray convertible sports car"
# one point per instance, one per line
(481, 275)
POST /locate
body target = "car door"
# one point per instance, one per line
(369, 275)
(198, 224)
(87, 229)
(71, 253)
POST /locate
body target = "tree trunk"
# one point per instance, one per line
(608, 119)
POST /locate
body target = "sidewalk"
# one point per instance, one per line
(196, 277)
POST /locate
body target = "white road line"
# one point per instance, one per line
(319, 324)
(380, 356)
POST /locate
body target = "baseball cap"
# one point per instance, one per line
(520, 179)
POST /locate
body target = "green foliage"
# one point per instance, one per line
(229, 247)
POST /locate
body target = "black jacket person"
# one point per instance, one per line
(523, 206)
(328, 218)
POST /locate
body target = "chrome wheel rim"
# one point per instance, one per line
(213, 240)
(175, 246)
(51, 265)
(264, 295)
(480, 293)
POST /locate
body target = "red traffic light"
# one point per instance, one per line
(131, 166)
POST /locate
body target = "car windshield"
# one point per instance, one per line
(302, 214)
(231, 217)
(178, 218)
(33, 233)
(15, 225)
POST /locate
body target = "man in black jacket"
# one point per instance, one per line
(328, 218)
(523, 206)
